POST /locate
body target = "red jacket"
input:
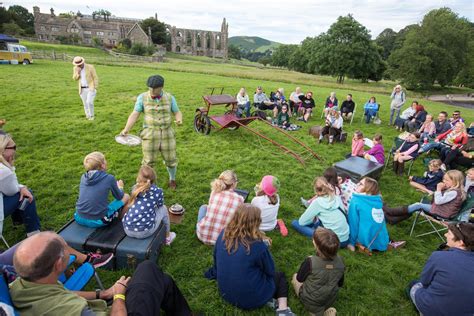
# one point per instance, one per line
(458, 141)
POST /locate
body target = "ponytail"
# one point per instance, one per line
(145, 179)
(224, 182)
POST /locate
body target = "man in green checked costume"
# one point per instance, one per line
(157, 136)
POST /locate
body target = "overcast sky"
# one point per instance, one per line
(284, 21)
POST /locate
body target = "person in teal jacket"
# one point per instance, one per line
(370, 109)
(366, 218)
(325, 210)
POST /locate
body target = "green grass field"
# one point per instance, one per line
(46, 118)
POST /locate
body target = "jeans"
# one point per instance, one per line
(392, 114)
(202, 212)
(87, 97)
(29, 216)
(245, 107)
(306, 230)
(430, 146)
(419, 206)
(369, 114)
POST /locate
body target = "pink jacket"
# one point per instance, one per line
(357, 147)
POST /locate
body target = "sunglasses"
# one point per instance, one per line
(11, 147)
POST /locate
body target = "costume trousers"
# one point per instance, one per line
(156, 141)
(88, 96)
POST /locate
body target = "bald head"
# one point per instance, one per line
(36, 256)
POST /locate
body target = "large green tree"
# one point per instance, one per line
(158, 31)
(434, 52)
(387, 40)
(281, 55)
(23, 18)
(346, 50)
(234, 52)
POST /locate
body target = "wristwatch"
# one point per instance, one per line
(97, 293)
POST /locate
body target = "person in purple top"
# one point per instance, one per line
(377, 152)
(456, 118)
(446, 283)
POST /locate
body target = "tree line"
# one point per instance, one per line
(438, 50)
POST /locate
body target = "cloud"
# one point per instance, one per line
(279, 20)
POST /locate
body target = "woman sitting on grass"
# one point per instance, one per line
(428, 183)
(268, 201)
(243, 265)
(427, 129)
(223, 202)
(445, 285)
(447, 200)
(13, 194)
(325, 210)
(146, 209)
(366, 218)
(93, 208)
(407, 151)
(320, 276)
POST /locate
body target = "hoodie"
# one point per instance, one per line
(94, 190)
(329, 211)
(366, 218)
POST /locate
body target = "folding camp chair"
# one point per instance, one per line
(83, 274)
(373, 118)
(352, 116)
(397, 142)
(461, 216)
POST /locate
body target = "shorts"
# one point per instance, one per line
(112, 211)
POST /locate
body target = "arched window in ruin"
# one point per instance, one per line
(189, 39)
(208, 40)
(179, 34)
(198, 39)
(218, 42)
(178, 49)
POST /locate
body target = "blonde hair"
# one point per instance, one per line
(322, 187)
(463, 127)
(94, 161)
(4, 140)
(145, 179)
(243, 228)
(435, 163)
(458, 181)
(224, 182)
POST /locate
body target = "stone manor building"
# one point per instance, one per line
(49, 27)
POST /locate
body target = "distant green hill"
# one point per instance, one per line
(253, 43)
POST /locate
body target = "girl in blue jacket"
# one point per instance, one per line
(370, 109)
(366, 218)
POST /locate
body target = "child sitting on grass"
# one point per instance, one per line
(431, 178)
(357, 145)
(283, 118)
(268, 201)
(320, 276)
(92, 207)
(377, 152)
(331, 176)
(325, 210)
(146, 209)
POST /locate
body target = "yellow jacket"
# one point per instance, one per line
(91, 77)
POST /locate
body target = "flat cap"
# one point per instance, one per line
(156, 81)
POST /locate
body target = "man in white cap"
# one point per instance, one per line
(88, 83)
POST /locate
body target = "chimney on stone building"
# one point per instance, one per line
(156, 16)
(36, 10)
(52, 12)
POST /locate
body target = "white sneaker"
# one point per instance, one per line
(170, 238)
